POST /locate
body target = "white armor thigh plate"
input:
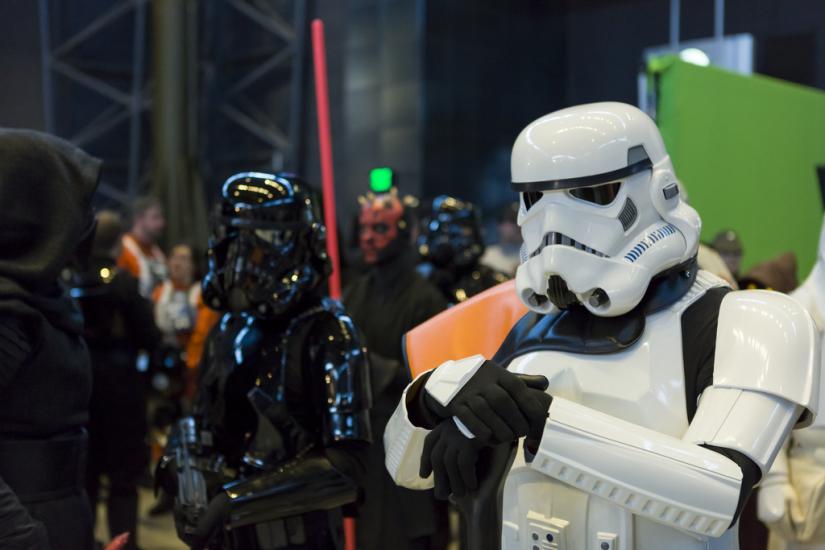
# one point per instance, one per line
(643, 385)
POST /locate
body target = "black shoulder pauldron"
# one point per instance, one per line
(576, 330)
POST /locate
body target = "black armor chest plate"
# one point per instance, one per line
(252, 387)
(273, 389)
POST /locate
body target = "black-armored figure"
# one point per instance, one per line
(281, 426)
(451, 246)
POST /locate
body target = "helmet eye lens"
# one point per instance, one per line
(598, 194)
(530, 198)
(277, 237)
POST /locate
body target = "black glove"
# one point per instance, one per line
(451, 457)
(497, 405)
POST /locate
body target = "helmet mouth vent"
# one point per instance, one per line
(556, 238)
(559, 294)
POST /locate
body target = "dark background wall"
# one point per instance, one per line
(491, 67)
(438, 89)
(21, 102)
(374, 50)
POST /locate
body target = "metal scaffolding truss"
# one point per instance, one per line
(252, 77)
(96, 96)
(249, 65)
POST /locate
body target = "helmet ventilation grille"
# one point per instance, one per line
(628, 214)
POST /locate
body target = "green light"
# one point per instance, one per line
(380, 180)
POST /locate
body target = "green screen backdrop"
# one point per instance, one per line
(746, 149)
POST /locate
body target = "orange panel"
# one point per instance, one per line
(477, 326)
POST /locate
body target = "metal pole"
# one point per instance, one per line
(169, 113)
(718, 19)
(138, 44)
(46, 68)
(293, 159)
(675, 14)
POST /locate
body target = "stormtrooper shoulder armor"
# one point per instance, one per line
(766, 342)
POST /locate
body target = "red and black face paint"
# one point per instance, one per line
(380, 223)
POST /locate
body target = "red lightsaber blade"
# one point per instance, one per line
(319, 56)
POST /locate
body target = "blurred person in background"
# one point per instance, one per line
(119, 324)
(385, 302)
(504, 256)
(181, 314)
(178, 305)
(184, 322)
(141, 256)
(710, 260)
(205, 319)
(777, 273)
(46, 187)
(451, 245)
(176, 299)
(729, 247)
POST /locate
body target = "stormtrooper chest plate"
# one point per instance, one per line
(643, 384)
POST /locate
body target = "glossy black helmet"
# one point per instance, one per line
(268, 244)
(451, 234)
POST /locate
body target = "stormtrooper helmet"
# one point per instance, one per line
(600, 209)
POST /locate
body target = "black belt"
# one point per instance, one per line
(37, 469)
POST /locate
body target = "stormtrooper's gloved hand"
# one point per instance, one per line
(486, 401)
(775, 499)
(451, 457)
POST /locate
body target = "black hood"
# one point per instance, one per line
(46, 187)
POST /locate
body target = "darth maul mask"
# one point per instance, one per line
(383, 229)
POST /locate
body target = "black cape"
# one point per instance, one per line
(385, 303)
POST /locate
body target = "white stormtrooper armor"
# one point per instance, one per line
(630, 456)
(811, 293)
(792, 496)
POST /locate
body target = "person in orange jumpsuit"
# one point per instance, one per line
(141, 256)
